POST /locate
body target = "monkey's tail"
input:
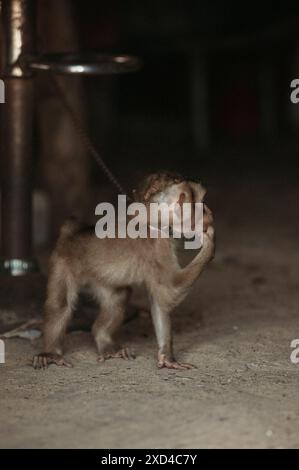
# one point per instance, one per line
(70, 227)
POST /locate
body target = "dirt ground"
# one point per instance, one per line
(236, 326)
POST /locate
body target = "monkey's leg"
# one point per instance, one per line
(113, 304)
(162, 324)
(62, 293)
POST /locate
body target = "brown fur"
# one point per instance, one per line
(111, 266)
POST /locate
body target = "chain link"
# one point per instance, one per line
(79, 126)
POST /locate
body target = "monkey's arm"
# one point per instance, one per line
(165, 299)
(188, 275)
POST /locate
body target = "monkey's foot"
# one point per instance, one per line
(42, 360)
(124, 353)
(163, 361)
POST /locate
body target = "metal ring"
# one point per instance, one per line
(85, 64)
(18, 267)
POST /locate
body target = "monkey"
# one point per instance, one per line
(111, 267)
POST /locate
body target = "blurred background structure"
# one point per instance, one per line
(212, 101)
(216, 77)
(212, 97)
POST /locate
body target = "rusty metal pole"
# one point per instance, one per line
(16, 138)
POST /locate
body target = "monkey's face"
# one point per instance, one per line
(176, 198)
(185, 197)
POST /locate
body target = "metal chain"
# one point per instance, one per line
(84, 135)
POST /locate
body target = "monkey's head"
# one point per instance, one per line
(172, 188)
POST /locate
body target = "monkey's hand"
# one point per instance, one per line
(163, 361)
(43, 360)
(209, 242)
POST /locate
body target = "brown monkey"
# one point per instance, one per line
(111, 266)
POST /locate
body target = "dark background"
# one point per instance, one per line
(213, 92)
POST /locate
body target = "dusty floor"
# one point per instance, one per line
(236, 327)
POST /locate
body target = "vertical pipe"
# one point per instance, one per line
(16, 138)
